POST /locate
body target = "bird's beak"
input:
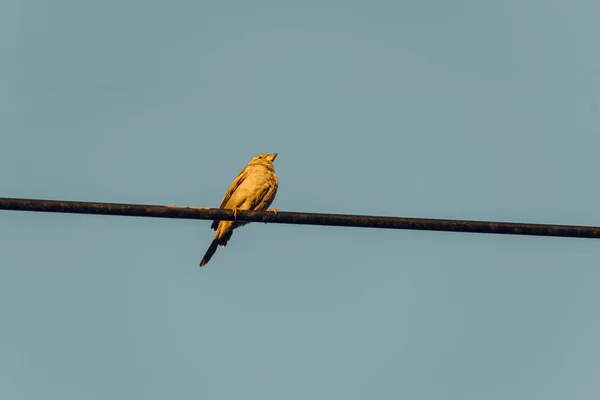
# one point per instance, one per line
(272, 156)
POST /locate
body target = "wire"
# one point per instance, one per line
(299, 218)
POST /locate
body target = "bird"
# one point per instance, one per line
(254, 188)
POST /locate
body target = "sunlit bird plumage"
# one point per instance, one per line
(254, 188)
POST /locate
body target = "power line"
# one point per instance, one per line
(281, 217)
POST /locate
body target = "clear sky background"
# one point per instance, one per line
(465, 109)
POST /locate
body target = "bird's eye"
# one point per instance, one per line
(259, 157)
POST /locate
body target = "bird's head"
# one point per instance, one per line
(260, 158)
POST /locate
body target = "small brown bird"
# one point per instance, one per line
(253, 189)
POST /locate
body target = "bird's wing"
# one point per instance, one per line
(234, 185)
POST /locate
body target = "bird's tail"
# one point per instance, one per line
(209, 253)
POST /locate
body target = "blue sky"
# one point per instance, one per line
(464, 109)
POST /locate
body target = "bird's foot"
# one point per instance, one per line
(235, 210)
(274, 210)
